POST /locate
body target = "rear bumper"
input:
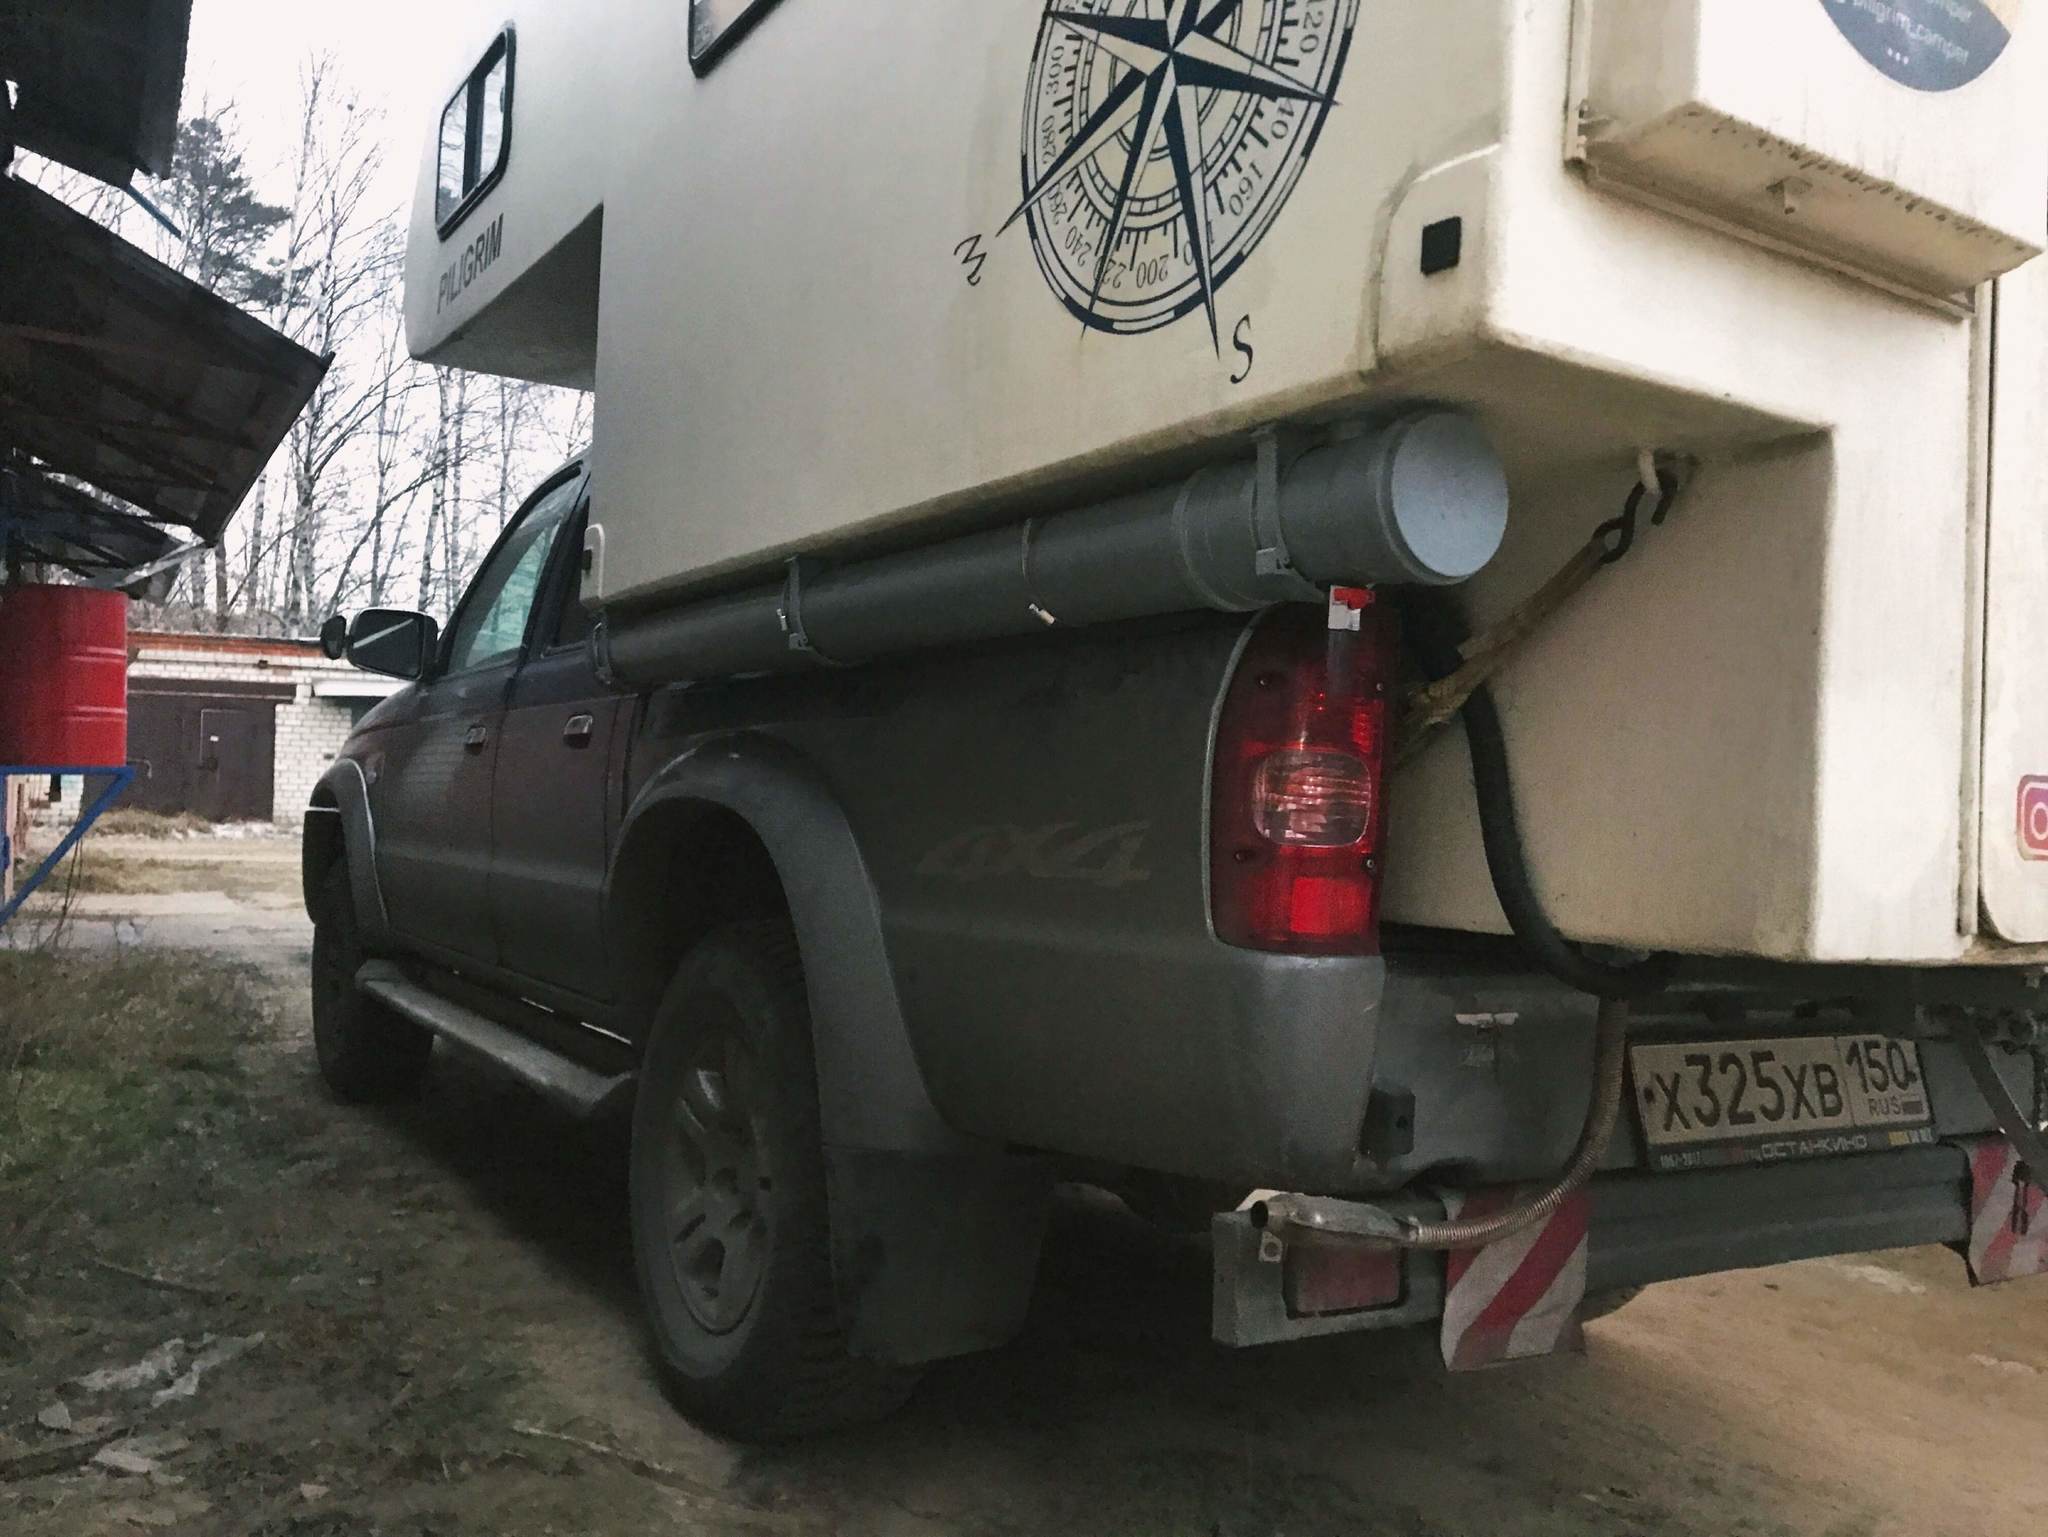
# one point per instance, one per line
(1642, 1228)
(1487, 1075)
(1660, 1227)
(1481, 1082)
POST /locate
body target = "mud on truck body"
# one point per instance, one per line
(1312, 643)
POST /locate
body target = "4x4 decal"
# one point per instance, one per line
(1108, 857)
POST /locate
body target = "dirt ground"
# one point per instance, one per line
(422, 1321)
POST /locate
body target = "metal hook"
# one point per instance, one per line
(1621, 531)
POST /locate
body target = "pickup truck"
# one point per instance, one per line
(873, 958)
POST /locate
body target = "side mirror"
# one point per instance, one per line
(391, 641)
(334, 638)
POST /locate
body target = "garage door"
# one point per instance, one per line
(210, 754)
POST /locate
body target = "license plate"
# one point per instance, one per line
(1733, 1102)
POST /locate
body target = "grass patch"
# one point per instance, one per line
(171, 1170)
(97, 875)
(126, 822)
(103, 1056)
(93, 869)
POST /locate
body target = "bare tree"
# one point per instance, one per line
(398, 475)
(515, 401)
(437, 507)
(224, 227)
(342, 258)
(251, 590)
(99, 202)
(454, 520)
(397, 482)
(370, 536)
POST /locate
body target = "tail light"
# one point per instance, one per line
(1298, 795)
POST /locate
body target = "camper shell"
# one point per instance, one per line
(826, 318)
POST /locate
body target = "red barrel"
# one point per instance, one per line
(63, 677)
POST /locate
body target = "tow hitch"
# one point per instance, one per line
(1974, 1039)
(2009, 1174)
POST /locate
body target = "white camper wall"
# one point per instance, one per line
(792, 355)
(791, 346)
(1759, 736)
(1752, 735)
(2013, 824)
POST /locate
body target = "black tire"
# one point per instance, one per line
(367, 1054)
(731, 1229)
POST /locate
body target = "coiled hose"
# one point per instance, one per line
(1435, 631)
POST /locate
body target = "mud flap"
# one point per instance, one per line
(1516, 1298)
(2008, 1221)
(934, 1255)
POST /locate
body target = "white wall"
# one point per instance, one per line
(310, 732)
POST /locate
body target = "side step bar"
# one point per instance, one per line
(570, 1085)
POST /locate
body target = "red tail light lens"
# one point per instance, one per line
(1297, 796)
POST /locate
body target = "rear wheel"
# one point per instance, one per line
(731, 1231)
(367, 1053)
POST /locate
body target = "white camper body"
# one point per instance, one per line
(891, 270)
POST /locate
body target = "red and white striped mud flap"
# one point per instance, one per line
(1518, 1297)
(2008, 1223)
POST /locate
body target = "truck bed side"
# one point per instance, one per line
(1034, 819)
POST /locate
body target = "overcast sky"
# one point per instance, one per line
(401, 54)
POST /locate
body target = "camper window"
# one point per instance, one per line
(715, 25)
(476, 134)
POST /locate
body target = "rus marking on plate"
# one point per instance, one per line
(1162, 139)
(1930, 45)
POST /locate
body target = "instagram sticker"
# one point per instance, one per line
(2034, 817)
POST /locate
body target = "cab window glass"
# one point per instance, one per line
(492, 626)
(573, 627)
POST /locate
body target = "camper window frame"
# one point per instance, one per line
(703, 60)
(506, 46)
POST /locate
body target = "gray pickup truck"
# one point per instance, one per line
(876, 957)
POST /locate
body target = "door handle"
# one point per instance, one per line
(475, 738)
(579, 730)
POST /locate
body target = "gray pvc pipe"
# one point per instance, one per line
(1420, 500)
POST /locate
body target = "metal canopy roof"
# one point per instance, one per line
(99, 81)
(118, 371)
(47, 522)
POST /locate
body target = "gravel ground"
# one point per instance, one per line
(450, 1345)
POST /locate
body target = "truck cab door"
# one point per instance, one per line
(431, 795)
(555, 793)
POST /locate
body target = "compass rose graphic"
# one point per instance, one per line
(1162, 138)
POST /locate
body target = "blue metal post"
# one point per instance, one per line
(118, 779)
